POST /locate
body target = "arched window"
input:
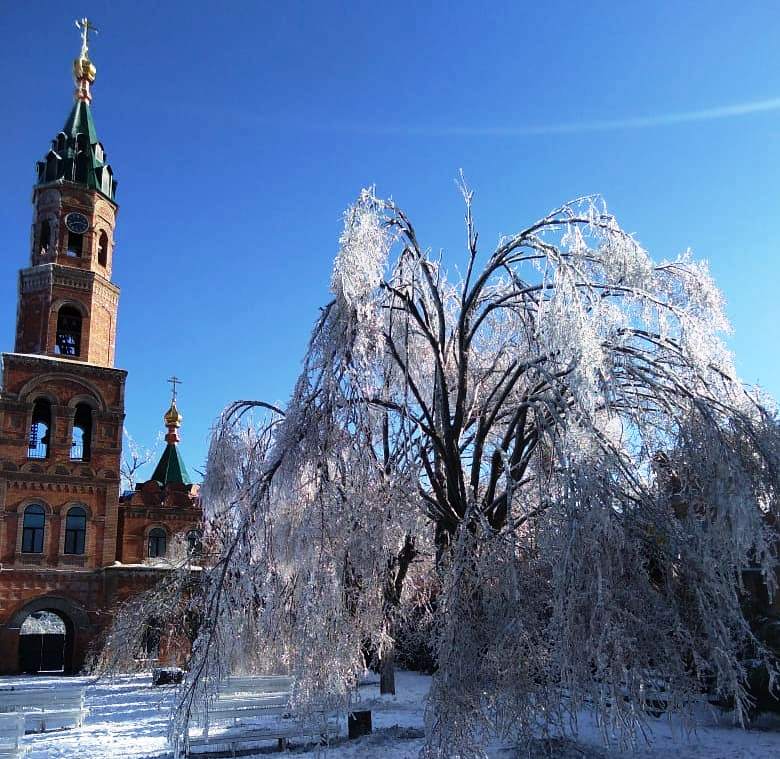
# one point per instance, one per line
(75, 530)
(38, 443)
(82, 433)
(103, 249)
(151, 639)
(32, 529)
(68, 332)
(44, 238)
(158, 542)
(194, 542)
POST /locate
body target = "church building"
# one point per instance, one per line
(72, 547)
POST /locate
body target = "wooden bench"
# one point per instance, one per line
(246, 697)
(255, 708)
(11, 734)
(46, 708)
(278, 726)
(255, 684)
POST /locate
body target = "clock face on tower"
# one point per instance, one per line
(77, 223)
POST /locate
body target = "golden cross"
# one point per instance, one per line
(86, 26)
(174, 381)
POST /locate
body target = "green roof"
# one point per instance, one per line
(171, 470)
(76, 154)
(80, 121)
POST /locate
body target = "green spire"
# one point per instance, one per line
(171, 470)
(80, 120)
(76, 155)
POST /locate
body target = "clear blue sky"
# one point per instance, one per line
(238, 132)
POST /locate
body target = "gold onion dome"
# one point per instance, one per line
(173, 417)
(83, 69)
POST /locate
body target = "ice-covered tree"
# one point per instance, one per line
(525, 417)
(134, 458)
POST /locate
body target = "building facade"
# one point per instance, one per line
(69, 545)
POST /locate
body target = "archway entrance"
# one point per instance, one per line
(51, 642)
(45, 643)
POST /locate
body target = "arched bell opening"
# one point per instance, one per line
(40, 430)
(103, 249)
(68, 340)
(44, 238)
(81, 442)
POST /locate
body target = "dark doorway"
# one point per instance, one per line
(45, 644)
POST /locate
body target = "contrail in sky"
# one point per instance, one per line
(602, 125)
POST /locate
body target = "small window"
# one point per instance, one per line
(75, 245)
(38, 443)
(194, 542)
(44, 238)
(32, 529)
(158, 542)
(103, 249)
(82, 433)
(83, 158)
(81, 167)
(68, 332)
(52, 166)
(75, 530)
(106, 180)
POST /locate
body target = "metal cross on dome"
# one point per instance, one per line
(174, 380)
(85, 26)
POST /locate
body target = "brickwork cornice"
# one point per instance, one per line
(36, 279)
(75, 368)
(59, 483)
(77, 195)
(47, 276)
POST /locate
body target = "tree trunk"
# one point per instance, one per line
(387, 671)
(397, 568)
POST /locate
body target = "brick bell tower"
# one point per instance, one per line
(62, 400)
(67, 302)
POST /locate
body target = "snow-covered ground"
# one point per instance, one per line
(128, 718)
